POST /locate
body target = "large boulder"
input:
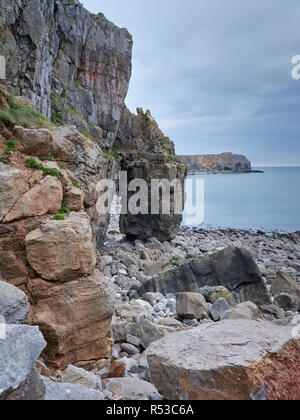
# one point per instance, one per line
(13, 184)
(75, 318)
(62, 250)
(57, 391)
(233, 268)
(18, 352)
(164, 227)
(45, 197)
(284, 283)
(78, 376)
(131, 389)
(244, 310)
(14, 306)
(229, 360)
(191, 306)
(35, 142)
(14, 267)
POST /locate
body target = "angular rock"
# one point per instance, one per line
(45, 197)
(191, 306)
(13, 263)
(244, 310)
(73, 199)
(57, 391)
(77, 376)
(13, 183)
(287, 302)
(212, 294)
(273, 310)
(75, 318)
(14, 305)
(218, 308)
(62, 250)
(285, 284)
(233, 268)
(228, 360)
(32, 389)
(130, 389)
(35, 142)
(18, 352)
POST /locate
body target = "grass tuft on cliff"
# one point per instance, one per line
(23, 115)
(33, 164)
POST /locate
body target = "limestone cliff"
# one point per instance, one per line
(222, 163)
(74, 65)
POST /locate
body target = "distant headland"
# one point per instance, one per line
(225, 163)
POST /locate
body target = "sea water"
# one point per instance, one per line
(268, 201)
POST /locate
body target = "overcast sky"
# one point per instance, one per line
(216, 74)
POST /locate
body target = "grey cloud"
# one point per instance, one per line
(216, 74)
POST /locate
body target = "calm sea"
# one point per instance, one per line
(269, 201)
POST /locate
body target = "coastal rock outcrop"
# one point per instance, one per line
(222, 163)
(73, 65)
(230, 360)
(149, 155)
(233, 268)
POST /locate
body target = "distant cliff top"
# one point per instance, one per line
(222, 163)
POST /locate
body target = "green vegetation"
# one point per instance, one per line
(64, 210)
(32, 163)
(11, 146)
(58, 217)
(173, 159)
(112, 155)
(47, 158)
(86, 134)
(62, 167)
(75, 184)
(24, 115)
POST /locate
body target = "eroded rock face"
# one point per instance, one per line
(75, 318)
(149, 155)
(229, 360)
(13, 263)
(13, 184)
(77, 65)
(45, 197)
(233, 268)
(62, 250)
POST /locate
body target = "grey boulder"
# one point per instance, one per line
(14, 306)
(227, 360)
(57, 391)
(234, 268)
(18, 352)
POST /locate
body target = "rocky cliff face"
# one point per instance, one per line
(149, 155)
(75, 66)
(223, 163)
